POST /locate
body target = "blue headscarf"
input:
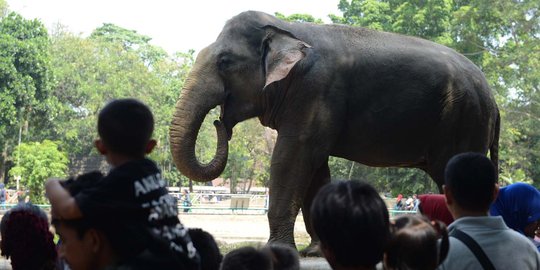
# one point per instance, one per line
(518, 204)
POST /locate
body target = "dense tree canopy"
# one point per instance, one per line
(113, 63)
(53, 84)
(26, 105)
(299, 18)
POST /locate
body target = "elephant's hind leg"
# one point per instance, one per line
(441, 155)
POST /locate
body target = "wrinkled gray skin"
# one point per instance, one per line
(377, 98)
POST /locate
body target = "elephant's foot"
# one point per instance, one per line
(311, 251)
(283, 241)
(282, 233)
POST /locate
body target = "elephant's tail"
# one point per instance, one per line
(494, 148)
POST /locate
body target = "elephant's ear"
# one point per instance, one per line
(282, 51)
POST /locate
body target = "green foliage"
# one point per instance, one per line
(299, 18)
(3, 8)
(114, 63)
(25, 82)
(130, 40)
(368, 13)
(36, 162)
(52, 86)
(394, 180)
(24, 61)
(503, 38)
(428, 19)
(115, 34)
(249, 155)
(250, 149)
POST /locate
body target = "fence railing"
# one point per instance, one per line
(216, 209)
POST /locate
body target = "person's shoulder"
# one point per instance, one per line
(134, 168)
(456, 247)
(459, 256)
(520, 238)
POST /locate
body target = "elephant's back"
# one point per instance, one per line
(401, 93)
(404, 94)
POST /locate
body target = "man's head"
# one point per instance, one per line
(125, 128)
(82, 245)
(470, 183)
(246, 258)
(352, 223)
(283, 257)
(26, 238)
(207, 247)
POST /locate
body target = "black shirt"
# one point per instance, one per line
(132, 205)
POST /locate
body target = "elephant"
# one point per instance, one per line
(381, 99)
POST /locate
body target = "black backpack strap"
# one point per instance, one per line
(474, 247)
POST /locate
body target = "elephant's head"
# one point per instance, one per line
(252, 52)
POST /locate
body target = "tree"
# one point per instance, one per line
(35, 163)
(130, 40)
(171, 72)
(299, 18)
(367, 13)
(503, 38)
(4, 8)
(249, 156)
(25, 82)
(113, 63)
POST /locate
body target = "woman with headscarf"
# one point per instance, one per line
(399, 203)
(519, 206)
(26, 239)
(434, 207)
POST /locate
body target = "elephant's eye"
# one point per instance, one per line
(224, 63)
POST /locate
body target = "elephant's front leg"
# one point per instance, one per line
(295, 161)
(321, 178)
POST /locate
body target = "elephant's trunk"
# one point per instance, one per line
(191, 109)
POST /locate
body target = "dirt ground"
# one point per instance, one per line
(236, 228)
(233, 228)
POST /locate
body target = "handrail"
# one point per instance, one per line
(392, 212)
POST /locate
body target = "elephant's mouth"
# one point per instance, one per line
(228, 127)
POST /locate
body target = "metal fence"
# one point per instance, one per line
(236, 204)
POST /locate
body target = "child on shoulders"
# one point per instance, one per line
(133, 197)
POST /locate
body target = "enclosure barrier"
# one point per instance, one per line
(236, 207)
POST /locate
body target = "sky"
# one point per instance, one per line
(175, 25)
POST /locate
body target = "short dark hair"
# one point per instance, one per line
(352, 221)
(246, 258)
(283, 257)
(26, 238)
(123, 244)
(87, 180)
(125, 126)
(471, 178)
(207, 247)
(414, 243)
(74, 186)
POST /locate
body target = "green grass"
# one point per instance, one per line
(226, 248)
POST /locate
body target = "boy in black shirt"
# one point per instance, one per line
(132, 200)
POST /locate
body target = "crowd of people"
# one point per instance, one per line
(127, 220)
(409, 204)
